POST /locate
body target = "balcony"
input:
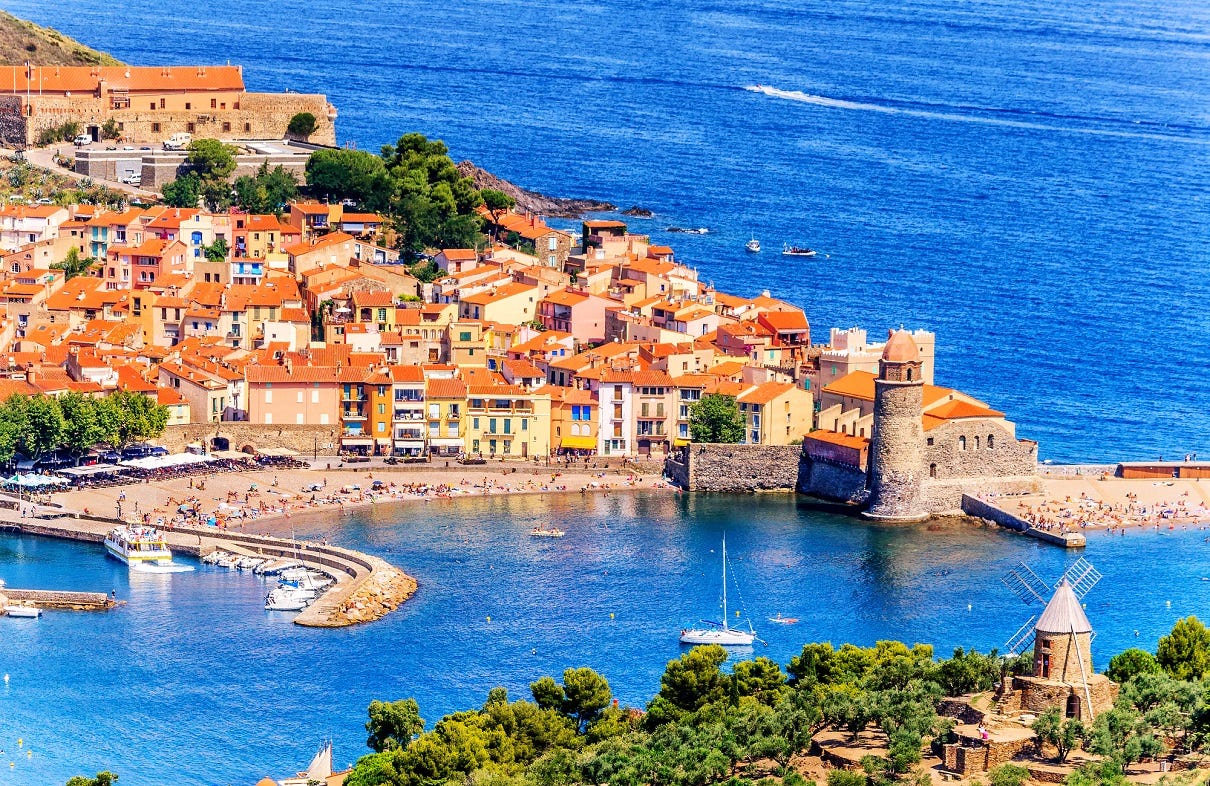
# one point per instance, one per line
(408, 414)
(353, 415)
(355, 398)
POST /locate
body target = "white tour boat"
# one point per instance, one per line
(720, 633)
(141, 547)
(753, 246)
(26, 612)
(552, 532)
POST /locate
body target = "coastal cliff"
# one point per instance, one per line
(531, 201)
(22, 41)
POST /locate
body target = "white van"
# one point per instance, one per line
(178, 141)
(133, 178)
(83, 139)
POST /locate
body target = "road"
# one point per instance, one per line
(44, 158)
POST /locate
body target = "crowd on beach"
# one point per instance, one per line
(1084, 512)
(235, 508)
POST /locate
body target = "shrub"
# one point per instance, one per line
(303, 124)
(846, 778)
(1008, 775)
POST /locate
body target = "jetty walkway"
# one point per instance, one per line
(984, 509)
(366, 588)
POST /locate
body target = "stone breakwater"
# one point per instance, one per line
(366, 588)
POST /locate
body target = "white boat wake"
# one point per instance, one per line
(864, 106)
(142, 567)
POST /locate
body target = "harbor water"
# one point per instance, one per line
(194, 682)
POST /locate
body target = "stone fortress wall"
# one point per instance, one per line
(735, 468)
(253, 116)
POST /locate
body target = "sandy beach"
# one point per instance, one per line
(1116, 505)
(263, 500)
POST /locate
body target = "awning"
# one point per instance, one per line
(35, 481)
(230, 455)
(445, 442)
(278, 452)
(92, 469)
(163, 462)
(383, 440)
(358, 441)
(579, 443)
(410, 443)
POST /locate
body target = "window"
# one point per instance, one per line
(554, 243)
(247, 128)
(991, 441)
(227, 127)
(464, 335)
(434, 410)
(961, 443)
(214, 103)
(155, 127)
(475, 423)
(300, 397)
(929, 441)
(161, 103)
(268, 393)
(268, 418)
(932, 470)
(381, 427)
(976, 443)
(382, 409)
(491, 426)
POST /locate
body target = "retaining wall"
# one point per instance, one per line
(301, 438)
(978, 508)
(832, 480)
(735, 468)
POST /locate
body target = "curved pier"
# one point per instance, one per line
(366, 588)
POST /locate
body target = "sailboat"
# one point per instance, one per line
(720, 633)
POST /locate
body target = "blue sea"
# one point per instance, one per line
(1026, 178)
(192, 682)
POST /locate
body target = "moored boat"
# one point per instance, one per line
(23, 612)
(720, 632)
(138, 545)
(753, 246)
(551, 532)
(788, 250)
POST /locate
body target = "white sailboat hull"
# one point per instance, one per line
(724, 636)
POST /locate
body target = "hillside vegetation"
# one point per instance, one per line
(21, 41)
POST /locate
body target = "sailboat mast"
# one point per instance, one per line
(726, 622)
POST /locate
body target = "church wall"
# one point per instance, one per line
(832, 480)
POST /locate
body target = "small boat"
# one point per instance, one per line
(684, 231)
(137, 545)
(553, 532)
(227, 561)
(788, 250)
(780, 620)
(720, 632)
(753, 246)
(278, 600)
(214, 556)
(23, 612)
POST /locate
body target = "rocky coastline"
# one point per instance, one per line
(532, 201)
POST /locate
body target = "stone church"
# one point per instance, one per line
(926, 445)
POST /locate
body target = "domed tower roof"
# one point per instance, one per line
(1063, 614)
(900, 348)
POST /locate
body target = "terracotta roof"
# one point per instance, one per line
(297, 374)
(445, 388)
(837, 438)
(459, 254)
(764, 393)
(952, 410)
(900, 348)
(136, 79)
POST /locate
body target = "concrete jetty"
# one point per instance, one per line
(366, 588)
(983, 509)
(55, 599)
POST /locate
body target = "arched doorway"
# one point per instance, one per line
(1073, 706)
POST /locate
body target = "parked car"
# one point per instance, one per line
(82, 139)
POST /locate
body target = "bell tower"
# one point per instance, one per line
(897, 442)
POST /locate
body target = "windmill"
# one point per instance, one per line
(1062, 604)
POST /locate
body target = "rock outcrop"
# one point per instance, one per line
(532, 201)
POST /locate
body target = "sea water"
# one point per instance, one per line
(1026, 178)
(193, 681)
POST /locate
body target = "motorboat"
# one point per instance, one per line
(780, 620)
(788, 250)
(551, 532)
(279, 600)
(689, 231)
(23, 612)
(249, 563)
(137, 545)
(213, 557)
(753, 246)
(720, 632)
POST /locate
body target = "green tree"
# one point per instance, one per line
(1126, 665)
(110, 130)
(497, 202)
(967, 672)
(185, 191)
(1098, 773)
(694, 679)
(103, 779)
(138, 417)
(716, 418)
(211, 159)
(73, 264)
(1062, 735)
(760, 678)
(302, 125)
(1185, 651)
(218, 251)
(82, 426)
(582, 696)
(32, 425)
(393, 724)
(846, 778)
(268, 191)
(350, 174)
